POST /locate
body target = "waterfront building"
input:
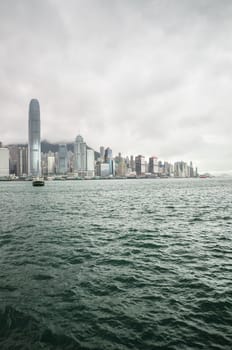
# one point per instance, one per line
(34, 147)
(4, 162)
(160, 168)
(98, 168)
(167, 169)
(132, 163)
(122, 168)
(108, 154)
(62, 159)
(112, 168)
(109, 160)
(18, 160)
(117, 159)
(180, 169)
(153, 166)
(127, 160)
(121, 165)
(22, 166)
(102, 153)
(13, 154)
(104, 170)
(70, 161)
(140, 165)
(191, 170)
(44, 163)
(146, 166)
(51, 163)
(177, 169)
(90, 163)
(80, 156)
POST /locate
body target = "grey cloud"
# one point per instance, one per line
(148, 77)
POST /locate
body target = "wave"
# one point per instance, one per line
(20, 331)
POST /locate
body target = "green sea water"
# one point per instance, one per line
(116, 264)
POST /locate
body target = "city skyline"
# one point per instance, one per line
(20, 161)
(153, 79)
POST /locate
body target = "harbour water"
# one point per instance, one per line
(116, 264)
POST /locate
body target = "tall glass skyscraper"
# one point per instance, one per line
(63, 159)
(110, 161)
(34, 148)
(80, 156)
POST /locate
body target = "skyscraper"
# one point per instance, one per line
(110, 161)
(51, 163)
(80, 156)
(4, 161)
(102, 153)
(22, 160)
(34, 148)
(90, 162)
(62, 159)
(108, 155)
(140, 165)
(153, 165)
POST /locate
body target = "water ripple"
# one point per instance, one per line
(116, 265)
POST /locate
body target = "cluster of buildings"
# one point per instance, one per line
(78, 160)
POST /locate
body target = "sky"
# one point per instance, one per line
(150, 77)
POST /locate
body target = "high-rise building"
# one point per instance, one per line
(22, 161)
(90, 162)
(167, 169)
(13, 150)
(140, 165)
(191, 170)
(62, 159)
(18, 160)
(104, 170)
(44, 163)
(97, 169)
(132, 163)
(180, 169)
(80, 156)
(34, 147)
(108, 154)
(51, 163)
(121, 168)
(70, 161)
(153, 165)
(102, 153)
(109, 160)
(4, 161)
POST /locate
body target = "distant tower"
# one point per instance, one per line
(80, 156)
(153, 165)
(34, 151)
(63, 159)
(108, 155)
(4, 162)
(102, 153)
(140, 165)
(110, 161)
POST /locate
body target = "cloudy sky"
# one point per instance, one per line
(151, 77)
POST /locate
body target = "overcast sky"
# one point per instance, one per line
(143, 77)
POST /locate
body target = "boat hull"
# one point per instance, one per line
(38, 182)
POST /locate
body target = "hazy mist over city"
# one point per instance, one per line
(143, 77)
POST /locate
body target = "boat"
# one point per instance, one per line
(38, 181)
